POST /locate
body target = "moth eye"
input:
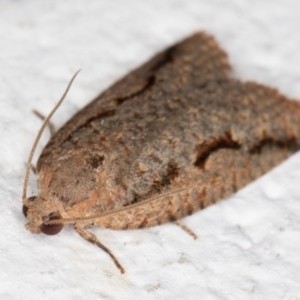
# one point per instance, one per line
(51, 229)
(25, 208)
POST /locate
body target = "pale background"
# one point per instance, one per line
(248, 246)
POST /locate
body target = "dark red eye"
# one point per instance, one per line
(25, 210)
(51, 229)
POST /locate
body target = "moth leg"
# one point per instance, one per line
(186, 229)
(42, 117)
(90, 237)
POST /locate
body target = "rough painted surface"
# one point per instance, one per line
(247, 246)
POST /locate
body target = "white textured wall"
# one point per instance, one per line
(248, 246)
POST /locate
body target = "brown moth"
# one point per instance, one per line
(172, 137)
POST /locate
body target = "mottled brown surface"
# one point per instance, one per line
(178, 121)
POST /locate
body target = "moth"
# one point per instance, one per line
(172, 137)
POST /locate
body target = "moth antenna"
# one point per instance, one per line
(40, 134)
(105, 214)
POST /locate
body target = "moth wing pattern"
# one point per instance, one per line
(178, 121)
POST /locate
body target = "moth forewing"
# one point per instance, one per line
(170, 138)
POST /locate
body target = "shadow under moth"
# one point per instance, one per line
(170, 138)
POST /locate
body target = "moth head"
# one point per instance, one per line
(39, 212)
